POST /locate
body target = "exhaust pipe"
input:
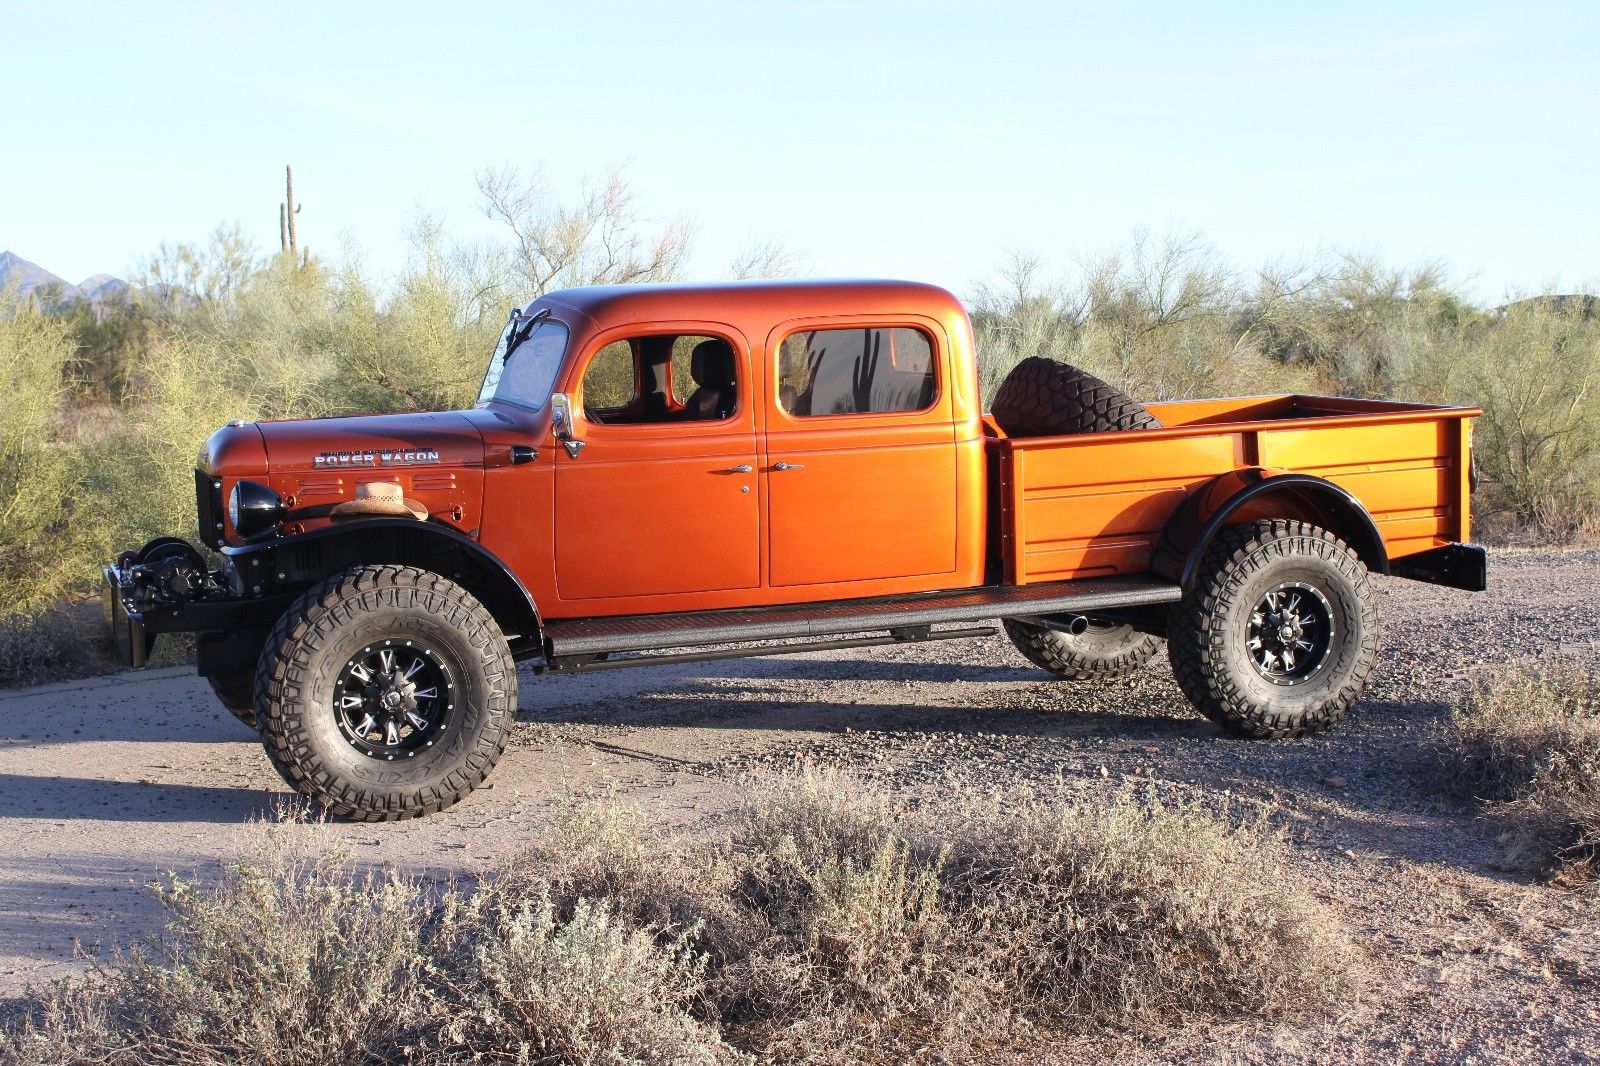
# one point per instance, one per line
(1072, 624)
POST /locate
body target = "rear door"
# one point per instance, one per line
(860, 455)
(662, 499)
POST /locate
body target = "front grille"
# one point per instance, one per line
(208, 508)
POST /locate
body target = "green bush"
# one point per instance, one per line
(40, 473)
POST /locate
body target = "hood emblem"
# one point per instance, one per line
(402, 457)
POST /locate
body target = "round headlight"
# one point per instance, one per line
(253, 508)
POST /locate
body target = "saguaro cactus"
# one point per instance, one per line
(287, 235)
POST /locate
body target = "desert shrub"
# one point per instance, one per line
(1352, 319)
(1161, 319)
(108, 339)
(522, 981)
(38, 472)
(223, 336)
(832, 924)
(424, 347)
(285, 959)
(947, 923)
(1535, 371)
(1526, 743)
(840, 924)
(861, 955)
(295, 957)
(1144, 911)
(37, 648)
(601, 851)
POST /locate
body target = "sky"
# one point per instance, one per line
(921, 140)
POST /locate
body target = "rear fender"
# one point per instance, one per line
(1253, 494)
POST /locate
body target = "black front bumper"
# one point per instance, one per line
(135, 626)
(129, 638)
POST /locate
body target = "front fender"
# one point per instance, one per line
(302, 559)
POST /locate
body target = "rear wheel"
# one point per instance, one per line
(1279, 632)
(386, 692)
(237, 692)
(1104, 650)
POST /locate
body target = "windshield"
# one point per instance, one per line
(525, 376)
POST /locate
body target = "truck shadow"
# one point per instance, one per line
(23, 796)
(1367, 791)
(53, 910)
(759, 706)
(861, 669)
(126, 707)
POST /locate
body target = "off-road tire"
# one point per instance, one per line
(237, 692)
(1208, 641)
(1100, 652)
(343, 616)
(1047, 398)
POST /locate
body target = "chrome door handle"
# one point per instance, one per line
(742, 468)
(780, 466)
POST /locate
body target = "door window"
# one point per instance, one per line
(664, 377)
(610, 384)
(868, 370)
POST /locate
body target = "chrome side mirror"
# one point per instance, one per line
(561, 424)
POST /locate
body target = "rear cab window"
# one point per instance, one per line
(857, 370)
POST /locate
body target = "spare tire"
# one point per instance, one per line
(1046, 398)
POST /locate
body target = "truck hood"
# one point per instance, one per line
(411, 442)
(316, 464)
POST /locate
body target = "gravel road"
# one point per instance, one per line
(106, 783)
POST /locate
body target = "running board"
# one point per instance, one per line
(915, 635)
(564, 638)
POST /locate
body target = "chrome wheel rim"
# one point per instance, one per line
(1290, 633)
(393, 699)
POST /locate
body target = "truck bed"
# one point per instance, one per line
(1096, 505)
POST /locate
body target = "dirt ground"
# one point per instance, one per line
(107, 782)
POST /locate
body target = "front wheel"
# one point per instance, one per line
(389, 693)
(1279, 632)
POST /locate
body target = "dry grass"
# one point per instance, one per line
(42, 648)
(832, 924)
(1526, 743)
(954, 926)
(67, 641)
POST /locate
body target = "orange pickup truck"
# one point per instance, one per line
(668, 473)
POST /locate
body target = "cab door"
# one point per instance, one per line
(861, 457)
(662, 499)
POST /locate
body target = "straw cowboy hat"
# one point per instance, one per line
(379, 498)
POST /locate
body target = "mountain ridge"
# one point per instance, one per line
(32, 280)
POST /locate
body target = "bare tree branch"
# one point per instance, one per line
(599, 239)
